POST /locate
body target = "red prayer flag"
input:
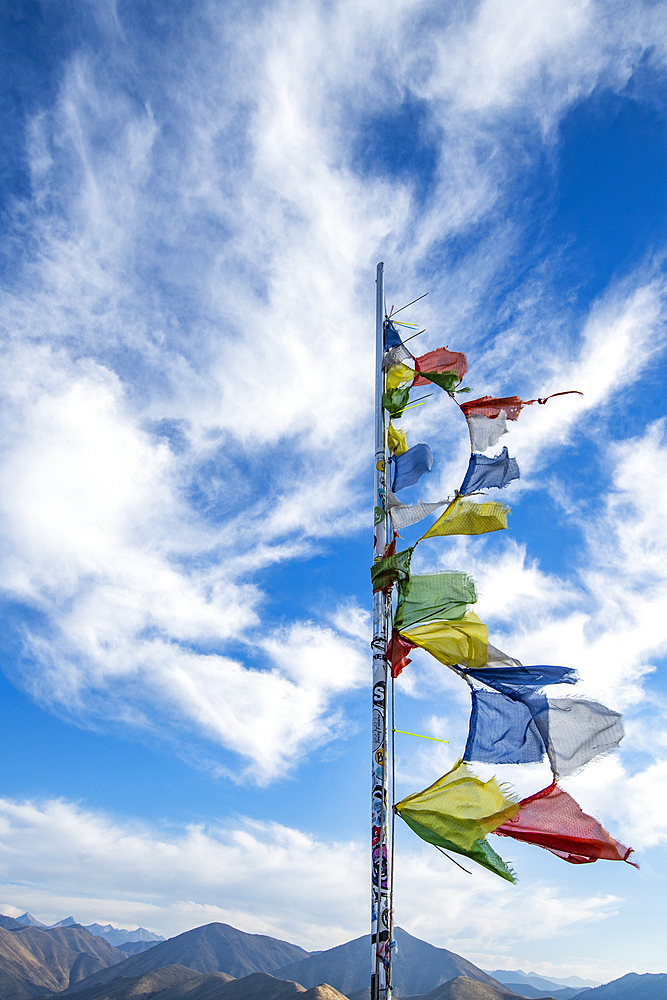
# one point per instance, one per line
(489, 406)
(397, 651)
(441, 360)
(553, 820)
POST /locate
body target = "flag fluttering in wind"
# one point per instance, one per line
(433, 596)
(553, 820)
(457, 812)
(484, 472)
(411, 466)
(462, 641)
(439, 361)
(465, 517)
(522, 728)
(404, 514)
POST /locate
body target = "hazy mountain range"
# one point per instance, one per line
(117, 936)
(219, 962)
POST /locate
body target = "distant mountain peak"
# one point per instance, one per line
(30, 921)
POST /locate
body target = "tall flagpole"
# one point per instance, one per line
(381, 917)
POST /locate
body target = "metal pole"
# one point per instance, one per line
(381, 921)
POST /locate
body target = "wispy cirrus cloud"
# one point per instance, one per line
(186, 378)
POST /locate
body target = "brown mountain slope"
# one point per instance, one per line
(21, 974)
(463, 988)
(141, 987)
(70, 954)
(322, 992)
(211, 948)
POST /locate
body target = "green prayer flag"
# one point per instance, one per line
(446, 380)
(432, 596)
(389, 569)
(481, 851)
(395, 400)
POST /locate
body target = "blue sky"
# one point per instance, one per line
(194, 198)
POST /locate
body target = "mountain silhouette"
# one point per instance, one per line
(211, 948)
(34, 960)
(650, 986)
(418, 967)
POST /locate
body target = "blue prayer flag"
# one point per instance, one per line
(484, 472)
(392, 337)
(518, 680)
(411, 466)
(505, 731)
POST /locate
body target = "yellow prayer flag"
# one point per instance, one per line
(396, 440)
(463, 517)
(399, 375)
(463, 640)
(459, 807)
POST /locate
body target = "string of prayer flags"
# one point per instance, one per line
(430, 596)
(553, 820)
(403, 514)
(440, 360)
(459, 806)
(395, 400)
(390, 569)
(399, 376)
(397, 652)
(396, 442)
(463, 641)
(481, 851)
(485, 432)
(580, 731)
(484, 472)
(465, 517)
(411, 466)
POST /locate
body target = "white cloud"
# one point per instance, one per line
(202, 260)
(261, 877)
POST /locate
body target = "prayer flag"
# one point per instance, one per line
(485, 432)
(553, 820)
(403, 514)
(395, 400)
(400, 375)
(517, 679)
(392, 337)
(440, 360)
(579, 732)
(490, 406)
(502, 731)
(463, 641)
(481, 851)
(505, 728)
(397, 651)
(465, 517)
(396, 440)
(429, 596)
(446, 380)
(484, 473)
(395, 356)
(459, 807)
(411, 466)
(390, 568)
